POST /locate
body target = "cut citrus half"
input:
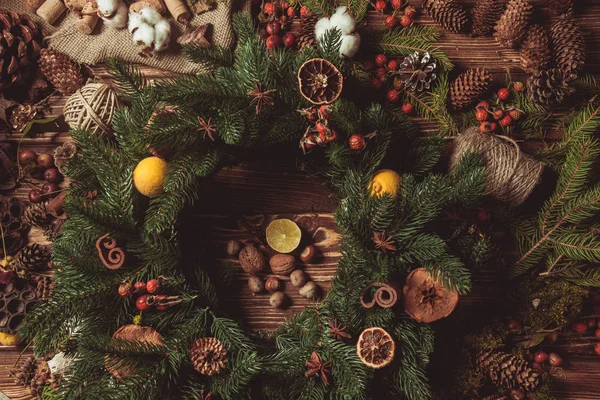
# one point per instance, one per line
(283, 235)
(375, 348)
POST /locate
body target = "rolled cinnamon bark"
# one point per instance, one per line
(51, 10)
(178, 10)
(386, 296)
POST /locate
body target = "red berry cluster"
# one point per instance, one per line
(276, 17)
(41, 167)
(538, 357)
(319, 134)
(147, 295)
(402, 13)
(591, 325)
(492, 117)
(381, 69)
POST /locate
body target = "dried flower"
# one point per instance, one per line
(384, 242)
(316, 366)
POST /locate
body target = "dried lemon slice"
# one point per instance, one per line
(283, 235)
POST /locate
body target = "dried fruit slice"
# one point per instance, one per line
(320, 81)
(375, 348)
(425, 299)
(283, 235)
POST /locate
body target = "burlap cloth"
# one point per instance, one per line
(105, 43)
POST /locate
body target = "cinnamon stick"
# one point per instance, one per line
(178, 10)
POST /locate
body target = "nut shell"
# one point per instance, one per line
(282, 264)
(273, 284)
(308, 254)
(255, 284)
(252, 260)
(309, 290)
(278, 300)
(298, 278)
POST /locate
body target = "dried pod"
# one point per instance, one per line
(308, 254)
(298, 278)
(252, 260)
(233, 248)
(273, 284)
(425, 299)
(309, 290)
(256, 285)
(282, 264)
(278, 300)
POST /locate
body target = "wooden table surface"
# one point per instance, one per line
(258, 192)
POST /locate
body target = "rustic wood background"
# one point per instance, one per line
(258, 192)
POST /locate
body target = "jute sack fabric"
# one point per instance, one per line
(105, 43)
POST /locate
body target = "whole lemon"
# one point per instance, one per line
(385, 181)
(7, 339)
(149, 176)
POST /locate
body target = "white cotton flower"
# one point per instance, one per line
(119, 19)
(343, 21)
(107, 7)
(135, 20)
(144, 35)
(162, 35)
(321, 27)
(151, 16)
(350, 45)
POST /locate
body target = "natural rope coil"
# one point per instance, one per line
(511, 175)
(92, 107)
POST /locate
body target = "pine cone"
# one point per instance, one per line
(535, 50)
(418, 71)
(569, 47)
(20, 45)
(549, 87)
(485, 14)
(559, 6)
(36, 214)
(507, 370)
(449, 14)
(208, 355)
(306, 33)
(468, 86)
(512, 25)
(59, 69)
(31, 257)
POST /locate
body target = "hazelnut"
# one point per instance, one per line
(309, 290)
(256, 285)
(278, 300)
(308, 254)
(252, 260)
(298, 278)
(273, 284)
(282, 264)
(233, 248)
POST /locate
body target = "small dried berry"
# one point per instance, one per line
(519, 86)
(555, 360)
(393, 96)
(506, 121)
(391, 22)
(377, 83)
(579, 327)
(484, 105)
(393, 65)
(498, 114)
(504, 94)
(540, 357)
(380, 59)
(407, 108)
(406, 21)
(515, 114)
(481, 115)
(380, 5)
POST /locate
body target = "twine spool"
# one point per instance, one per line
(511, 175)
(92, 107)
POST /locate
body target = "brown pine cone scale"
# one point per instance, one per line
(449, 14)
(507, 370)
(468, 87)
(549, 87)
(535, 50)
(209, 356)
(61, 71)
(569, 47)
(512, 25)
(485, 14)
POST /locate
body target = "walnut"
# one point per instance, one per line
(282, 264)
(252, 260)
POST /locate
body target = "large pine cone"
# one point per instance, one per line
(569, 47)
(507, 370)
(59, 69)
(449, 14)
(468, 86)
(485, 14)
(559, 6)
(512, 25)
(549, 87)
(20, 45)
(535, 50)
(209, 355)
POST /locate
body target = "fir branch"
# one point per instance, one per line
(129, 79)
(209, 57)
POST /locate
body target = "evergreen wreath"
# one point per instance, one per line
(171, 118)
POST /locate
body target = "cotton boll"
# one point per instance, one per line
(151, 16)
(119, 19)
(343, 21)
(162, 35)
(107, 7)
(321, 27)
(350, 45)
(144, 35)
(135, 20)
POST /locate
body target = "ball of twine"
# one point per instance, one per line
(92, 107)
(511, 175)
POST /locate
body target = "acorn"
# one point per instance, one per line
(273, 284)
(278, 300)
(298, 278)
(308, 254)
(309, 290)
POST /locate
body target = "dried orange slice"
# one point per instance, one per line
(375, 348)
(283, 235)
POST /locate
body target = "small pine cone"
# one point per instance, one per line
(59, 69)
(208, 355)
(306, 33)
(468, 86)
(535, 50)
(559, 7)
(32, 257)
(485, 14)
(36, 214)
(549, 87)
(512, 25)
(507, 370)
(449, 14)
(568, 44)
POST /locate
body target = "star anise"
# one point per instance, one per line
(207, 128)
(261, 98)
(316, 366)
(384, 242)
(338, 331)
